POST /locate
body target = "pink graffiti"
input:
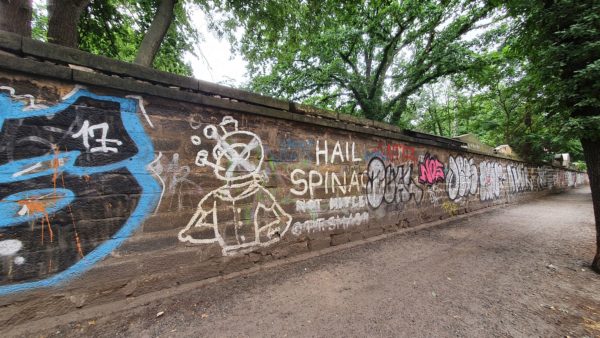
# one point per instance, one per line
(431, 170)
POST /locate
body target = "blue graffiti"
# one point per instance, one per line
(10, 206)
(22, 171)
(291, 150)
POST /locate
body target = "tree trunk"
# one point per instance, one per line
(156, 33)
(63, 19)
(591, 151)
(15, 16)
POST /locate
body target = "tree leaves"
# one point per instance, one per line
(365, 57)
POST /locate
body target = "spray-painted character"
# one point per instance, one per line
(241, 215)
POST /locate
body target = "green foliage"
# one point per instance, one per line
(115, 28)
(499, 105)
(561, 40)
(39, 21)
(363, 58)
(580, 165)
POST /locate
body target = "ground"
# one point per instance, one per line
(514, 271)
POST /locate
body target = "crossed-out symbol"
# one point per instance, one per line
(238, 158)
(237, 153)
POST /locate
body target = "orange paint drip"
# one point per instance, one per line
(36, 206)
(55, 164)
(77, 241)
(49, 229)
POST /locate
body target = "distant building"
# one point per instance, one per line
(562, 160)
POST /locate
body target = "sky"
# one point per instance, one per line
(213, 60)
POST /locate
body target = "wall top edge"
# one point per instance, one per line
(30, 56)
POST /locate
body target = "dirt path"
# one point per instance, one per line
(516, 271)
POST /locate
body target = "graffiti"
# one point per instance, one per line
(345, 182)
(491, 180)
(390, 184)
(431, 170)
(336, 153)
(140, 101)
(291, 150)
(27, 99)
(195, 125)
(347, 202)
(462, 178)
(308, 206)
(330, 224)
(396, 152)
(542, 181)
(518, 178)
(173, 177)
(570, 178)
(60, 174)
(434, 195)
(241, 215)
(87, 131)
(580, 179)
(331, 183)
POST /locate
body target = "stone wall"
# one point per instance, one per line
(116, 180)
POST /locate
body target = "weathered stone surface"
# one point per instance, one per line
(10, 41)
(340, 239)
(126, 187)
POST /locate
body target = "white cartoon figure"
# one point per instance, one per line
(241, 215)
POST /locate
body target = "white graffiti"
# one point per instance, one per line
(336, 153)
(580, 178)
(542, 180)
(241, 215)
(330, 224)
(462, 178)
(173, 177)
(140, 101)
(333, 183)
(570, 179)
(392, 184)
(435, 196)
(308, 205)
(344, 182)
(8, 249)
(518, 178)
(347, 202)
(87, 131)
(491, 180)
(28, 98)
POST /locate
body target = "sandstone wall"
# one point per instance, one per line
(116, 180)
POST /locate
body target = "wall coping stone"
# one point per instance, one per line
(25, 55)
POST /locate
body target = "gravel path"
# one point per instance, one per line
(519, 271)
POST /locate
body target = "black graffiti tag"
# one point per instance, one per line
(392, 184)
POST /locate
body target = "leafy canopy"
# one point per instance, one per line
(360, 57)
(115, 28)
(561, 40)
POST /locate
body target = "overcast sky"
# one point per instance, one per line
(213, 61)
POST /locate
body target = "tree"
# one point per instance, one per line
(15, 16)
(561, 39)
(157, 33)
(115, 28)
(360, 57)
(63, 18)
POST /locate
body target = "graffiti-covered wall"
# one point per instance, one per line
(109, 187)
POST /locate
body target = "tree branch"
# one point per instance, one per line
(156, 33)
